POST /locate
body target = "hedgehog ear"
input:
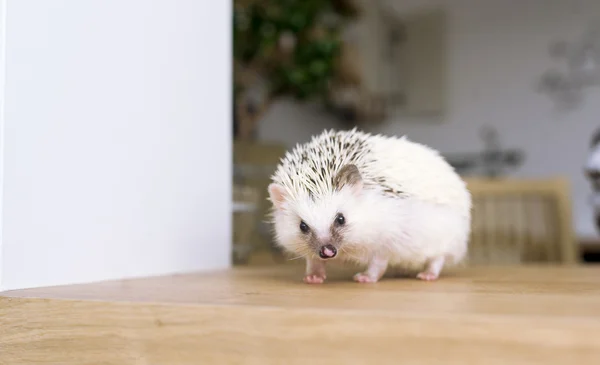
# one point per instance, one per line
(348, 176)
(277, 195)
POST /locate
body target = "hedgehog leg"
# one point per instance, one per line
(432, 269)
(315, 271)
(375, 270)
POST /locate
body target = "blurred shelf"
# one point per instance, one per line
(266, 315)
(243, 207)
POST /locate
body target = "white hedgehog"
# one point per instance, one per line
(376, 200)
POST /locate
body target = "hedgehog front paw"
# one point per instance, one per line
(374, 272)
(362, 277)
(432, 269)
(315, 271)
(314, 279)
(427, 276)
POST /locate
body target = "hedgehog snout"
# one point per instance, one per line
(327, 251)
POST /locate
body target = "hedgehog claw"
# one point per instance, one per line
(374, 272)
(432, 269)
(427, 276)
(364, 278)
(314, 279)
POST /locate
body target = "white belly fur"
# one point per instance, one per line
(430, 231)
(409, 232)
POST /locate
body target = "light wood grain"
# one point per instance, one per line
(476, 315)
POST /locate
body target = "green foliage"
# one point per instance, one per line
(313, 24)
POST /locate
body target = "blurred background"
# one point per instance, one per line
(507, 90)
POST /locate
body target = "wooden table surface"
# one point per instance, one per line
(485, 315)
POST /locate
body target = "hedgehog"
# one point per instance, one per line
(374, 200)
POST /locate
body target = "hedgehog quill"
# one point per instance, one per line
(375, 200)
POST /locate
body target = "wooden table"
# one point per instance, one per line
(491, 315)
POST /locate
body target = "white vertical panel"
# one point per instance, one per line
(117, 153)
(2, 75)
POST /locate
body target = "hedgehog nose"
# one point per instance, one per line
(327, 252)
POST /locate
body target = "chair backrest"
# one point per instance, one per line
(518, 221)
(254, 162)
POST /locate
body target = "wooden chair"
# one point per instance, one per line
(254, 162)
(521, 221)
(245, 220)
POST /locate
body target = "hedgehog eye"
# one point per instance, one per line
(304, 227)
(340, 219)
